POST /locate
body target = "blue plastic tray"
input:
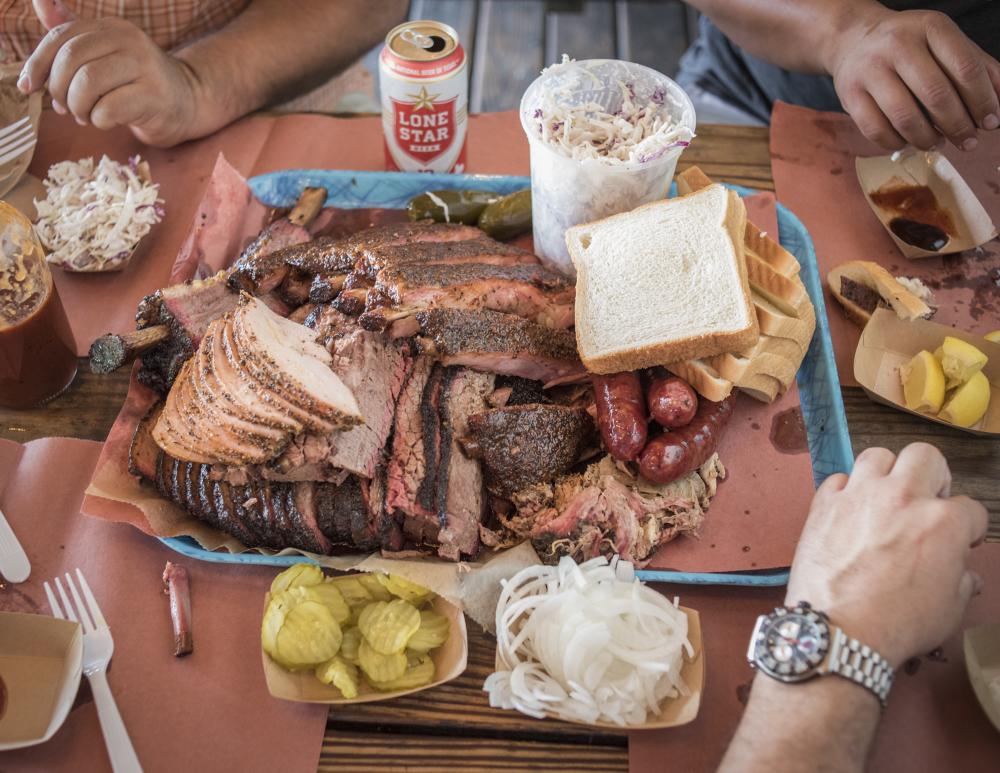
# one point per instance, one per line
(819, 387)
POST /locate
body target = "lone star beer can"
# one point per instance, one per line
(425, 98)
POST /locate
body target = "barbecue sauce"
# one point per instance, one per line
(918, 218)
(37, 359)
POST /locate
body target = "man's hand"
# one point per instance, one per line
(109, 73)
(884, 551)
(909, 77)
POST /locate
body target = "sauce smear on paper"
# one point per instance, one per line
(788, 432)
(918, 217)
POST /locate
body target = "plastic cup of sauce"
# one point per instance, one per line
(569, 187)
(37, 356)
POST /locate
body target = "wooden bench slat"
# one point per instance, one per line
(584, 31)
(391, 752)
(652, 33)
(508, 53)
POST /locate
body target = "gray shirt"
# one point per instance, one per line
(720, 67)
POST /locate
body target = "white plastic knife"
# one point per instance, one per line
(14, 564)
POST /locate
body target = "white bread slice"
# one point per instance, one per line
(786, 292)
(770, 251)
(774, 322)
(705, 380)
(762, 387)
(663, 283)
(778, 357)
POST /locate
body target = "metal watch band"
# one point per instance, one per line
(858, 662)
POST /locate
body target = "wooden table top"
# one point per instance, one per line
(452, 727)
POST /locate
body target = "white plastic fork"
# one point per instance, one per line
(98, 647)
(16, 139)
(13, 128)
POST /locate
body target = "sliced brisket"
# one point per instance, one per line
(499, 343)
(529, 291)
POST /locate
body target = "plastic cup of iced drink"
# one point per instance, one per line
(605, 136)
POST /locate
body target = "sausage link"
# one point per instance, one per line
(676, 453)
(621, 414)
(672, 401)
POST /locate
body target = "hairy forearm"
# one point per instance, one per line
(826, 724)
(275, 50)
(793, 34)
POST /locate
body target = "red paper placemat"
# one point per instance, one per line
(933, 722)
(207, 711)
(812, 159)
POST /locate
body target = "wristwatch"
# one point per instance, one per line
(799, 643)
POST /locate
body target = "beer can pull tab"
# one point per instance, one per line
(414, 38)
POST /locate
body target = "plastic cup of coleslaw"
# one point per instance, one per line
(605, 136)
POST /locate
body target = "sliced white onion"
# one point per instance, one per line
(588, 643)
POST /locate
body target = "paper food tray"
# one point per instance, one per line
(675, 712)
(40, 664)
(888, 342)
(450, 660)
(982, 661)
(972, 223)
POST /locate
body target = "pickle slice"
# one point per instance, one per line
(349, 646)
(450, 206)
(274, 618)
(310, 635)
(419, 671)
(295, 576)
(341, 674)
(353, 590)
(378, 666)
(509, 216)
(326, 593)
(373, 586)
(433, 632)
(388, 625)
(404, 589)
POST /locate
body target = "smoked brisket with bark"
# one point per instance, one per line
(530, 291)
(494, 342)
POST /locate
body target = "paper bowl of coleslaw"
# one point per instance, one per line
(605, 136)
(95, 214)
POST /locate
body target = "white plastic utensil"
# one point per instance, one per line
(14, 564)
(14, 128)
(15, 146)
(98, 647)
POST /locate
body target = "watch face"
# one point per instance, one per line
(792, 643)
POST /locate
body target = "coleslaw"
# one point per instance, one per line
(94, 215)
(637, 132)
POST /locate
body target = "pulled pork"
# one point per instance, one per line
(606, 510)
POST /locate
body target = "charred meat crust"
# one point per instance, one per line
(526, 444)
(458, 331)
(393, 280)
(477, 250)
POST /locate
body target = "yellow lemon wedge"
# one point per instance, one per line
(969, 402)
(959, 360)
(993, 336)
(923, 383)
